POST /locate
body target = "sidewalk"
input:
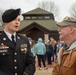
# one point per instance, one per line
(43, 72)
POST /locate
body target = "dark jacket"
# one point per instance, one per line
(18, 60)
(50, 49)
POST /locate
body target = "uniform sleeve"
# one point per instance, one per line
(55, 69)
(30, 63)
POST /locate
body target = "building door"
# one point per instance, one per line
(35, 33)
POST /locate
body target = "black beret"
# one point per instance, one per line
(10, 14)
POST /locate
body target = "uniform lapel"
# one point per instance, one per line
(19, 41)
(6, 40)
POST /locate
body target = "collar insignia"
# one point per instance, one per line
(18, 37)
(4, 38)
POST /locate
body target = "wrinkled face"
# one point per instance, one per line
(64, 32)
(13, 26)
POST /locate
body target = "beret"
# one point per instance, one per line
(10, 14)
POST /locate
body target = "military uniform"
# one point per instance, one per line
(16, 60)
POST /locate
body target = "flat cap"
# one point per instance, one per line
(10, 14)
(67, 21)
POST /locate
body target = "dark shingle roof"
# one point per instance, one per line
(37, 11)
(48, 24)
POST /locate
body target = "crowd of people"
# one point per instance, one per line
(45, 52)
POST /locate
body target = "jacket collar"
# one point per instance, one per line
(71, 48)
(72, 45)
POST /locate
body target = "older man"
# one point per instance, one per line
(67, 56)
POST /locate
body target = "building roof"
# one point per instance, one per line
(1, 28)
(48, 24)
(37, 11)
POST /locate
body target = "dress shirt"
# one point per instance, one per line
(9, 35)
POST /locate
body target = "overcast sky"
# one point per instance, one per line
(27, 5)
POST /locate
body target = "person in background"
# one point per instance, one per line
(30, 40)
(33, 48)
(15, 54)
(50, 52)
(52, 42)
(40, 50)
(55, 51)
(67, 56)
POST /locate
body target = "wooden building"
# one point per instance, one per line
(39, 23)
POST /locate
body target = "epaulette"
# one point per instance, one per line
(21, 34)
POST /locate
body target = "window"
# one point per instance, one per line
(27, 17)
(34, 17)
(40, 17)
(47, 17)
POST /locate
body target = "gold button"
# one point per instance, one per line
(15, 67)
(15, 73)
(15, 60)
(15, 54)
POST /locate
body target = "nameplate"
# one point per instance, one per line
(3, 51)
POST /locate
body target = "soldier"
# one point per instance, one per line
(15, 54)
(66, 64)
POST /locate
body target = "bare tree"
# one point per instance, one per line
(50, 6)
(73, 10)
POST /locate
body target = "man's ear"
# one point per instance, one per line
(71, 29)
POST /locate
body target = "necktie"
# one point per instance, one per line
(13, 41)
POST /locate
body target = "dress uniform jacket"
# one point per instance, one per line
(67, 65)
(16, 60)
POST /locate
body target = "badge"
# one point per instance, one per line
(2, 46)
(23, 47)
